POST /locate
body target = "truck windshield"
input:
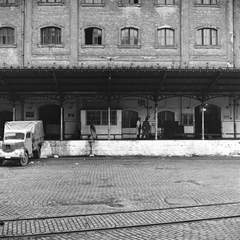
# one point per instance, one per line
(14, 136)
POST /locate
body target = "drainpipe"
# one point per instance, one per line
(23, 32)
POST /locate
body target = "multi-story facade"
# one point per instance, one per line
(174, 34)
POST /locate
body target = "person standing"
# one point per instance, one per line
(146, 128)
(93, 129)
(138, 127)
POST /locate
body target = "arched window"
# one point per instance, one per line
(165, 116)
(165, 37)
(93, 36)
(50, 35)
(129, 119)
(129, 36)
(207, 36)
(6, 35)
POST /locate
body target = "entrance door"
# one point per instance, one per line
(4, 117)
(212, 119)
(51, 117)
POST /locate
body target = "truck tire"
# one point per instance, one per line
(24, 160)
(37, 153)
(1, 162)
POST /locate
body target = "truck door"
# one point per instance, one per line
(29, 143)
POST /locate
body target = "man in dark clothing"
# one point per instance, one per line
(146, 128)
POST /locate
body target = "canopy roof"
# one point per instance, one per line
(111, 83)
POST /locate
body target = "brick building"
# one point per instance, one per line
(56, 53)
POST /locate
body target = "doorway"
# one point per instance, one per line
(212, 119)
(4, 117)
(51, 117)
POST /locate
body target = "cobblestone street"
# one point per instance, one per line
(121, 198)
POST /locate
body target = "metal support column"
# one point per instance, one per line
(61, 124)
(203, 122)
(14, 112)
(234, 119)
(109, 122)
(156, 121)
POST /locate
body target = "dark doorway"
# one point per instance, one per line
(4, 117)
(212, 119)
(51, 117)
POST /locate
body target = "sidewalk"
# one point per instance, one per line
(71, 187)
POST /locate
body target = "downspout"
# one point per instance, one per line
(23, 32)
(234, 119)
(203, 137)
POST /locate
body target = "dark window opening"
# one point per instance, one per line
(93, 36)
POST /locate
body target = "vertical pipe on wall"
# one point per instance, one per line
(14, 112)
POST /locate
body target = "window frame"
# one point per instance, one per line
(84, 4)
(45, 45)
(84, 45)
(197, 4)
(157, 45)
(211, 28)
(40, 3)
(101, 121)
(134, 46)
(9, 4)
(165, 4)
(9, 45)
(121, 4)
(190, 119)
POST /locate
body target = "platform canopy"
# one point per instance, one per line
(116, 82)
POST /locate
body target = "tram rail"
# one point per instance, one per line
(58, 225)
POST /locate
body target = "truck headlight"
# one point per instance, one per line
(17, 152)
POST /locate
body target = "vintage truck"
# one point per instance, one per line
(22, 140)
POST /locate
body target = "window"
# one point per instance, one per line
(129, 36)
(165, 37)
(165, 2)
(165, 116)
(93, 1)
(129, 2)
(51, 1)
(6, 36)
(207, 37)
(50, 35)
(129, 119)
(7, 2)
(207, 2)
(101, 117)
(93, 36)
(187, 119)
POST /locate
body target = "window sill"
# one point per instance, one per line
(8, 45)
(207, 46)
(92, 46)
(208, 5)
(51, 45)
(165, 47)
(130, 5)
(8, 4)
(165, 5)
(93, 4)
(130, 46)
(50, 4)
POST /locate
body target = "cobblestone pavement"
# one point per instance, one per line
(122, 198)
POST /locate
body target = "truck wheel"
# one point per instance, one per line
(1, 162)
(24, 160)
(37, 153)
